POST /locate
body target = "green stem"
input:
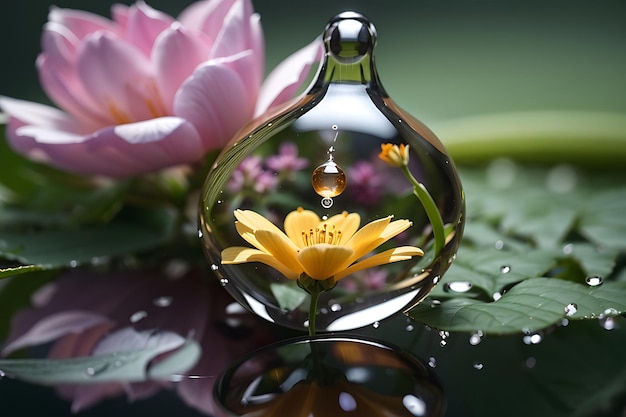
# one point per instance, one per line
(431, 210)
(315, 295)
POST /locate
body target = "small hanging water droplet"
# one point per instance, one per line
(138, 315)
(200, 233)
(409, 328)
(223, 282)
(335, 307)
(162, 301)
(376, 325)
(328, 179)
(444, 336)
(496, 296)
(327, 202)
(505, 269)
(608, 323)
(478, 365)
(457, 286)
(435, 303)
(594, 280)
(2, 374)
(532, 338)
(571, 309)
(476, 338)
(214, 267)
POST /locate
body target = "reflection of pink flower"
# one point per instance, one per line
(86, 315)
(144, 91)
(251, 175)
(369, 279)
(366, 182)
(286, 161)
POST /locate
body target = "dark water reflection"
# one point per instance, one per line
(84, 314)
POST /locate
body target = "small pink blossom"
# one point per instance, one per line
(286, 161)
(145, 91)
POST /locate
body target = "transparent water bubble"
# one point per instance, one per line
(330, 376)
(457, 286)
(334, 135)
(505, 269)
(594, 280)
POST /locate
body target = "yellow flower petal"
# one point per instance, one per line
(239, 255)
(391, 230)
(299, 221)
(321, 261)
(281, 247)
(255, 221)
(401, 253)
(362, 241)
(348, 223)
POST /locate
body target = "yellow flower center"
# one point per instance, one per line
(321, 234)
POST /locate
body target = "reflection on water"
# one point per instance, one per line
(137, 334)
(330, 376)
(131, 334)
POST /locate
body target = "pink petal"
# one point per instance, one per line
(118, 151)
(53, 327)
(144, 26)
(69, 94)
(206, 16)
(235, 34)
(28, 112)
(215, 100)
(81, 23)
(120, 14)
(176, 54)
(119, 77)
(285, 80)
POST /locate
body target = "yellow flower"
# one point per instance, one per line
(394, 155)
(321, 249)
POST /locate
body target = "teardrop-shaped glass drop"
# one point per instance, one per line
(346, 118)
(328, 179)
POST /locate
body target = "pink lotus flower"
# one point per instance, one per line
(144, 91)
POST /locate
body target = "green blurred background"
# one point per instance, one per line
(438, 59)
(441, 60)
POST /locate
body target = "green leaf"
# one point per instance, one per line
(288, 295)
(492, 270)
(58, 248)
(126, 366)
(531, 305)
(603, 221)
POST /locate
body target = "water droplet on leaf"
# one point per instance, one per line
(457, 286)
(594, 280)
(571, 309)
(505, 269)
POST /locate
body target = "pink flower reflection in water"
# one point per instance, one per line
(85, 314)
